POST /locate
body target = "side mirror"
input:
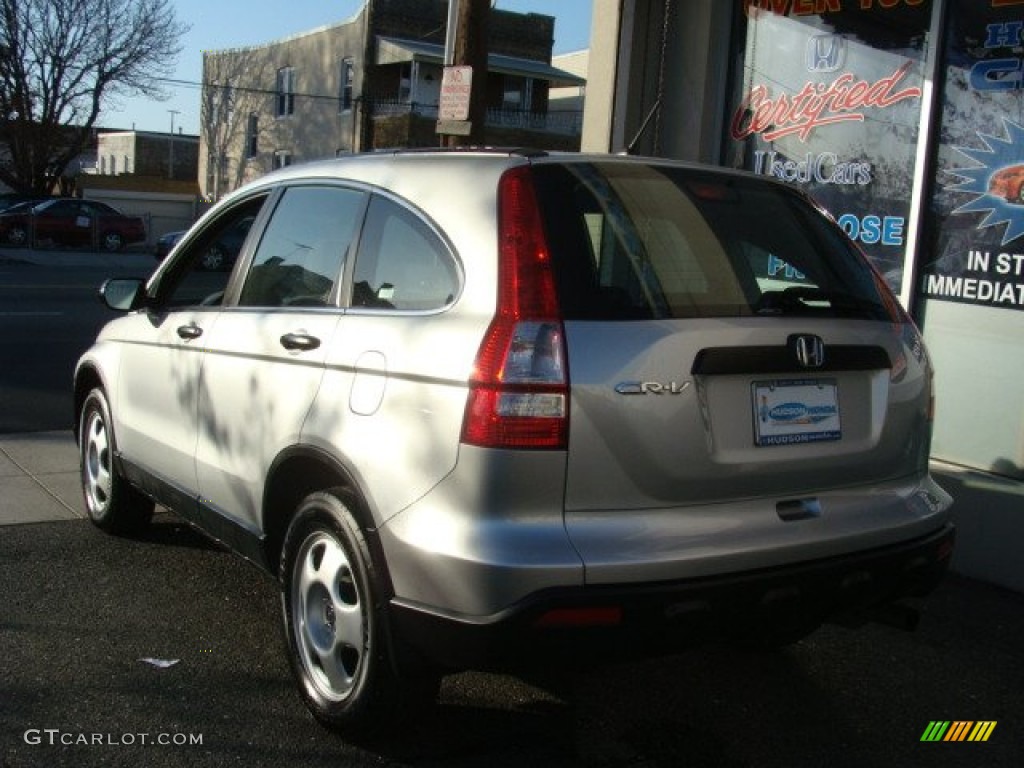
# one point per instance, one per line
(123, 293)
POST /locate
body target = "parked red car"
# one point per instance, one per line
(70, 221)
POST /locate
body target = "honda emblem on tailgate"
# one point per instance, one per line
(809, 350)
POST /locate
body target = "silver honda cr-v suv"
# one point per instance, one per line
(478, 409)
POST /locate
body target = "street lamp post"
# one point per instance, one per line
(170, 145)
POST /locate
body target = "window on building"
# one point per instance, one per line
(213, 103)
(347, 80)
(227, 99)
(517, 93)
(405, 83)
(252, 127)
(282, 158)
(285, 91)
(127, 164)
(211, 179)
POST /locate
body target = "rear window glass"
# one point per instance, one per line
(632, 241)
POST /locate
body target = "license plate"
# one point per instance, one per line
(790, 412)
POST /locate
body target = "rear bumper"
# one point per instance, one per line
(647, 619)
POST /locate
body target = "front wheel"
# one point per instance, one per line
(112, 503)
(334, 622)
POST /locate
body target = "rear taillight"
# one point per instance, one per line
(519, 389)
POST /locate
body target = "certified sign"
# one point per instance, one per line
(455, 87)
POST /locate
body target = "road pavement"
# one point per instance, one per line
(49, 314)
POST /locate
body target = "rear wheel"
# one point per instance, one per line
(335, 624)
(112, 503)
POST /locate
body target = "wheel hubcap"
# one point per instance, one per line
(96, 469)
(327, 616)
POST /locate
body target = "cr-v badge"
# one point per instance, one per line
(651, 388)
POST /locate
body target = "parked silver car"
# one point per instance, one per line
(486, 409)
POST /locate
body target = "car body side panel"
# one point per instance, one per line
(252, 398)
(155, 406)
(392, 401)
(488, 536)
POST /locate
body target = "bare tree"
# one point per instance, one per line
(60, 62)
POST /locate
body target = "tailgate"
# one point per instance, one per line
(683, 412)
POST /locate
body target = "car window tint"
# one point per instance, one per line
(632, 241)
(402, 264)
(300, 256)
(200, 272)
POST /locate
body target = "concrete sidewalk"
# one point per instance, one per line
(39, 478)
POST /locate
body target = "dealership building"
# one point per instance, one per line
(905, 120)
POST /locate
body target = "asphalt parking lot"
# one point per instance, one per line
(82, 610)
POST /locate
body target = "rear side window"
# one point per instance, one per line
(402, 264)
(633, 241)
(299, 259)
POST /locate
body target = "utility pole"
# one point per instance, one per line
(170, 145)
(471, 50)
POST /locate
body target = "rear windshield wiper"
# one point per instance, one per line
(799, 299)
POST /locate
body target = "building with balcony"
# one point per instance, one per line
(371, 82)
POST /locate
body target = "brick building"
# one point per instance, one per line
(368, 83)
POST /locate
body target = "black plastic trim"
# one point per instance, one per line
(725, 361)
(208, 520)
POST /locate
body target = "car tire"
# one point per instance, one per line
(335, 623)
(112, 503)
(112, 241)
(17, 236)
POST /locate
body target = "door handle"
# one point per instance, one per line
(299, 341)
(190, 331)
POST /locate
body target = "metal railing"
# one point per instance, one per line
(565, 122)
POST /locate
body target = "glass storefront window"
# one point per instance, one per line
(827, 95)
(972, 262)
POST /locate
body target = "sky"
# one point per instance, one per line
(215, 24)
